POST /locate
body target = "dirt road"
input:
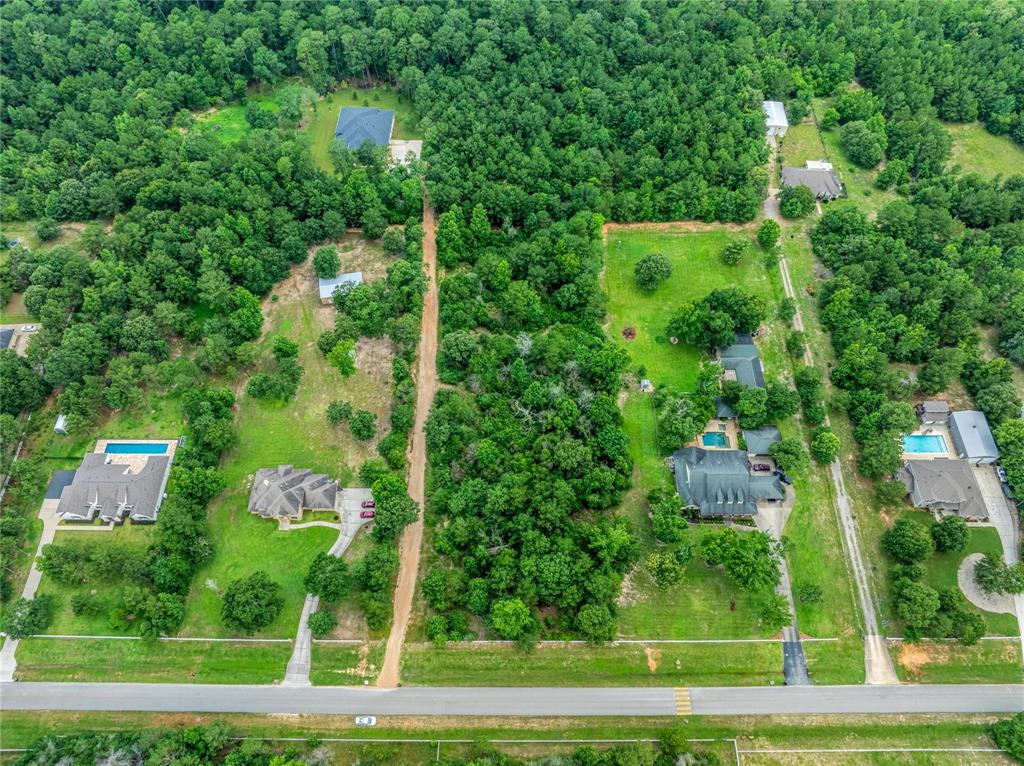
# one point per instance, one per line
(426, 387)
(878, 666)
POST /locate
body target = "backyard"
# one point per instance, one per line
(697, 269)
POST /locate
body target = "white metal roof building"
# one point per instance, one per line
(328, 286)
(972, 437)
(775, 118)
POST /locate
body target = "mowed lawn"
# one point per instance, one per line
(697, 270)
(108, 661)
(757, 664)
(947, 662)
(976, 150)
(323, 120)
(801, 143)
(295, 433)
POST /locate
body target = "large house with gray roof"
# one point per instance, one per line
(113, 488)
(819, 177)
(972, 438)
(357, 125)
(721, 482)
(285, 492)
(741, 362)
(945, 486)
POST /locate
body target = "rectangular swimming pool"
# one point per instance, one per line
(924, 443)
(125, 448)
(715, 439)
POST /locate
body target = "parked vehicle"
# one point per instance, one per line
(366, 720)
(785, 479)
(761, 467)
(368, 504)
(367, 514)
(29, 328)
(1001, 474)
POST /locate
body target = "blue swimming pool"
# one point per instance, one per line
(922, 443)
(715, 439)
(124, 448)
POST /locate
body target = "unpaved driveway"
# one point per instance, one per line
(426, 387)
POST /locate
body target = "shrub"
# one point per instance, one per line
(327, 577)
(809, 593)
(796, 201)
(951, 534)
(768, 233)
(321, 623)
(733, 252)
(651, 270)
(26, 617)
(825, 445)
(363, 425)
(326, 263)
(796, 341)
(787, 310)
(47, 229)
(338, 412)
(789, 454)
(908, 542)
(1009, 736)
(252, 603)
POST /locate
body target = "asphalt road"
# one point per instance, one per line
(514, 701)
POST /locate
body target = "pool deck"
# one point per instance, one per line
(718, 426)
(935, 429)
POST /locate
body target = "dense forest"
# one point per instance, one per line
(540, 120)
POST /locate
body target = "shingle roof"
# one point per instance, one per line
(328, 286)
(284, 491)
(760, 439)
(5, 338)
(58, 480)
(944, 484)
(718, 482)
(742, 359)
(775, 114)
(934, 405)
(722, 409)
(972, 435)
(357, 125)
(110, 489)
(823, 183)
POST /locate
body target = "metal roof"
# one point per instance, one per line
(328, 286)
(971, 432)
(775, 114)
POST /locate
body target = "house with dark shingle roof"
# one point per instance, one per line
(112, 490)
(720, 483)
(944, 485)
(357, 125)
(741, 362)
(820, 178)
(760, 440)
(285, 492)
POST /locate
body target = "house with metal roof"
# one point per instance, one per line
(741, 362)
(329, 286)
(6, 337)
(720, 482)
(944, 485)
(357, 125)
(821, 180)
(933, 412)
(114, 487)
(775, 118)
(285, 492)
(972, 438)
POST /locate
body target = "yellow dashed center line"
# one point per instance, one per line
(684, 705)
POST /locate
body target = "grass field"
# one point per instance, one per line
(67, 622)
(947, 662)
(801, 143)
(705, 604)
(582, 665)
(697, 270)
(345, 664)
(50, 659)
(976, 150)
(228, 122)
(324, 117)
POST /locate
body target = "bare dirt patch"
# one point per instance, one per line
(653, 658)
(913, 657)
(629, 333)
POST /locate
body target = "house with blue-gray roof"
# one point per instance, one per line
(357, 125)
